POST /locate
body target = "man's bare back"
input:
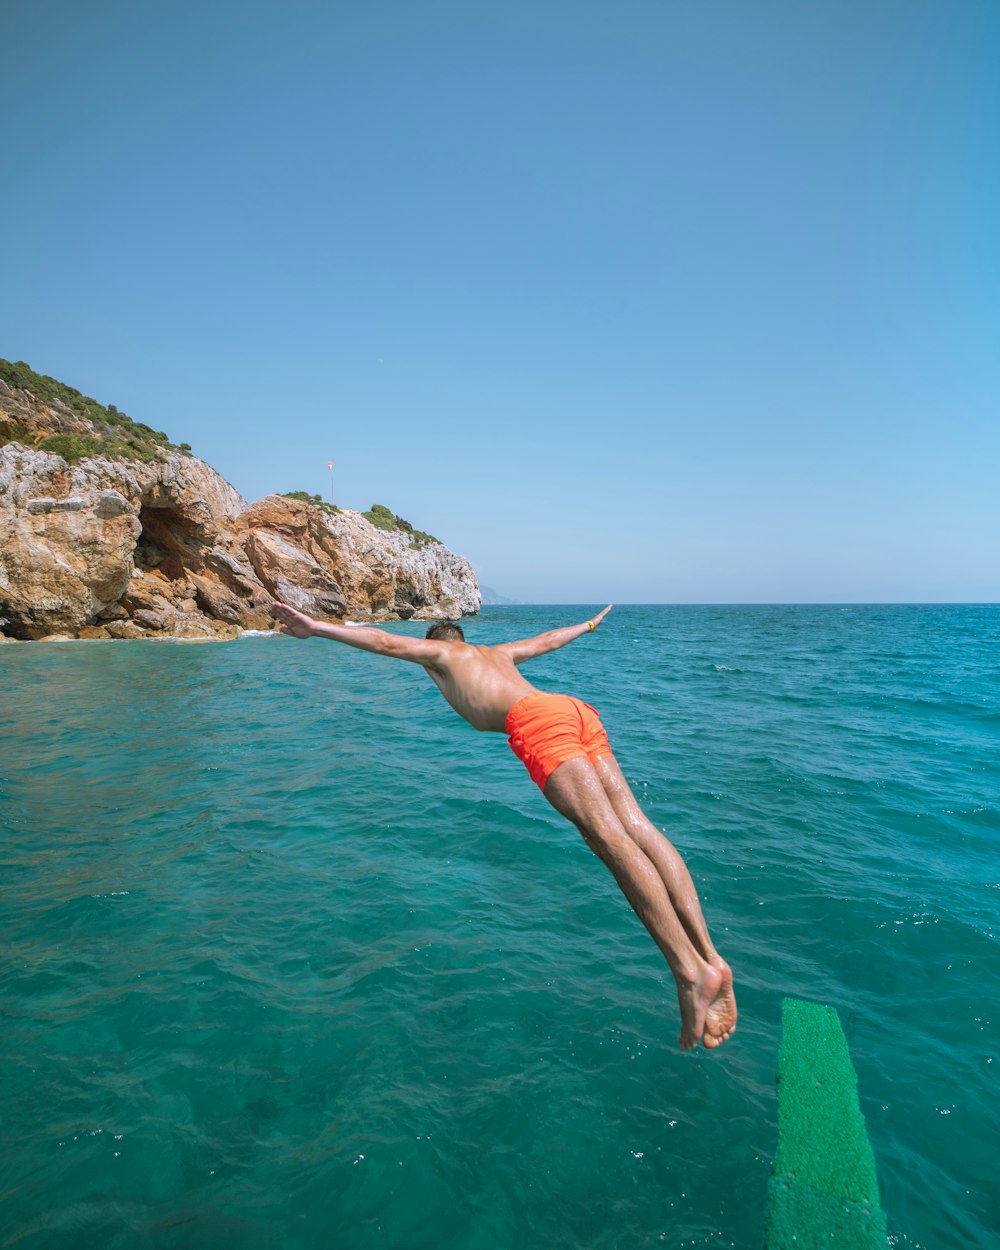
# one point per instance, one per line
(482, 684)
(584, 783)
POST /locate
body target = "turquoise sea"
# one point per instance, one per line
(293, 958)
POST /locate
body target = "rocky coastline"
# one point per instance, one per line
(106, 547)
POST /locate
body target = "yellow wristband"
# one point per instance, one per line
(592, 626)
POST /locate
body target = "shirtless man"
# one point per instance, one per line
(566, 751)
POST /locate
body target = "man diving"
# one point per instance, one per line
(565, 748)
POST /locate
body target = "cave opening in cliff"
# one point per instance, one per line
(168, 542)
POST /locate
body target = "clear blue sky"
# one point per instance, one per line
(648, 301)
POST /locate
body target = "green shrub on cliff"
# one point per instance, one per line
(316, 500)
(115, 435)
(381, 517)
(71, 447)
(14, 431)
(43, 387)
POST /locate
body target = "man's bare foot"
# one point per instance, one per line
(708, 1006)
(720, 1018)
(295, 623)
(694, 997)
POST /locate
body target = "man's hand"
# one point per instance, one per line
(294, 623)
(601, 615)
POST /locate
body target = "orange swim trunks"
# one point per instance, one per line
(546, 730)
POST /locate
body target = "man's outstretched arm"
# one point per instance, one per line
(364, 637)
(551, 640)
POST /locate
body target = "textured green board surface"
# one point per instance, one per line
(800, 1218)
(823, 1189)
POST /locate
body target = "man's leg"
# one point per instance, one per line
(575, 790)
(677, 879)
(660, 850)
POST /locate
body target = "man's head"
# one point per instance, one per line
(445, 631)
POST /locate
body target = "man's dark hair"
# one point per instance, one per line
(446, 631)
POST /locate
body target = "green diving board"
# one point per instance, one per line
(823, 1191)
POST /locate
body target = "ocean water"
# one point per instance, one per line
(294, 958)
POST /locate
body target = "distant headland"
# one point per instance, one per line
(110, 530)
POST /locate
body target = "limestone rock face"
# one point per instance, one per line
(66, 541)
(124, 549)
(312, 559)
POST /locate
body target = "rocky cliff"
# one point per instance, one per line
(99, 546)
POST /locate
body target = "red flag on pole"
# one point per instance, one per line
(329, 464)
